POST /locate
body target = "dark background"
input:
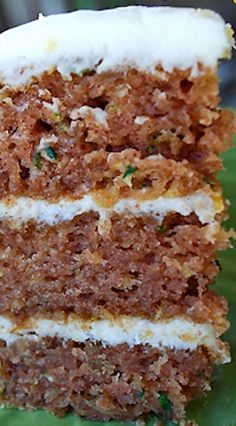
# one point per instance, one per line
(15, 12)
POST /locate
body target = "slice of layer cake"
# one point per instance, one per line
(111, 212)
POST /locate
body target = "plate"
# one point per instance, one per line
(218, 408)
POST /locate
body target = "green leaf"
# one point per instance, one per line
(152, 420)
(37, 160)
(160, 229)
(164, 401)
(129, 171)
(50, 153)
(85, 4)
(58, 115)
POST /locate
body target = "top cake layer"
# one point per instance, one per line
(137, 36)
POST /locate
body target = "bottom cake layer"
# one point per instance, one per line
(112, 382)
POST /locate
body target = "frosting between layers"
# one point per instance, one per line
(177, 333)
(23, 209)
(136, 36)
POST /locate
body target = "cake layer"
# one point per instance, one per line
(176, 333)
(128, 266)
(55, 143)
(102, 382)
(205, 204)
(89, 39)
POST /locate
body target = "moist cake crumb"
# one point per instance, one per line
(111, 212)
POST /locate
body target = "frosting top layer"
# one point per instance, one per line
(136, 36)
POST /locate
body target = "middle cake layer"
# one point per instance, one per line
(123, 264)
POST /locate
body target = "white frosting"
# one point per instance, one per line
(23, 209)
(140, 37)
(177, 333)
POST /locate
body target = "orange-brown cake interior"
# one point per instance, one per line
(136, 267)
(51, 149)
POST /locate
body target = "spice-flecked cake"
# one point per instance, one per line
(110, 211)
